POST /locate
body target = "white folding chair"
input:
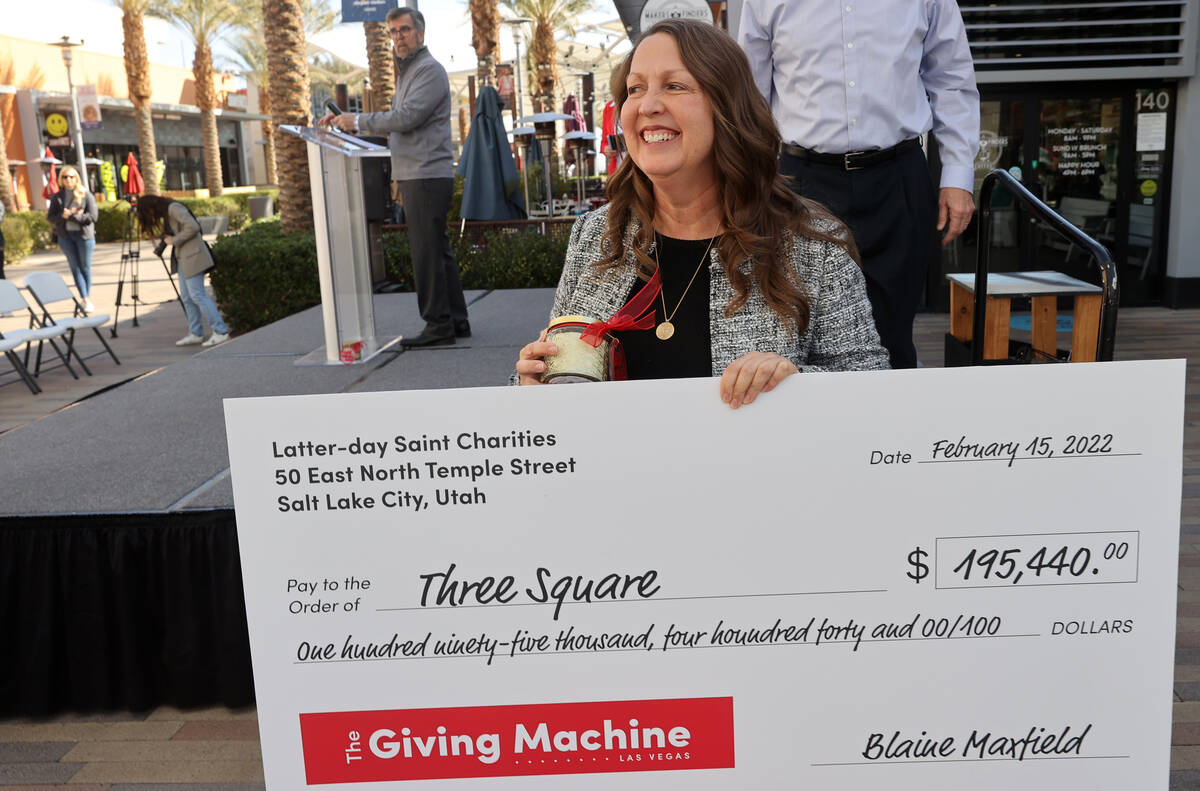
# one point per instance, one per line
(48, 288)
(11, 301)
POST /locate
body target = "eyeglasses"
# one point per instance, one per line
(399, 31)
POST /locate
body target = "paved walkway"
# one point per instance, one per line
(217, 749)
(141, 349)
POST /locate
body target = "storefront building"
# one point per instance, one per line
(1087, 104)
(38, 91)
(1094, 106)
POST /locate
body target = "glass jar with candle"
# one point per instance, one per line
(577, 360)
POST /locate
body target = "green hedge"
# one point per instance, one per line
(25, 232)
(40, 229)
(263, 275)
(521, 259)
(110, 223)
(18, 242)
(110, 227)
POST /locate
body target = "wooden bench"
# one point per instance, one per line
(1043, 289)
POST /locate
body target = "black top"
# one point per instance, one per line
(688, 352)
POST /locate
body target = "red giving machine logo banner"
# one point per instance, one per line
(511, 741)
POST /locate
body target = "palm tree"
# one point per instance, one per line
(283, 25)
(205, 21)
(485, 32)
(379, 58)
(250, 51)
(548, 16)
(137, 76)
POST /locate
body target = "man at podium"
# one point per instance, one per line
(418, 129)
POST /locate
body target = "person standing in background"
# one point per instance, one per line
(418, 128)
(854, 85)
(73, 213)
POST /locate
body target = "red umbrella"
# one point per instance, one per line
(52, 187)
(134, 185)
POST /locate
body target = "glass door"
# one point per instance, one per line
(1077, 170)
(1099, 156)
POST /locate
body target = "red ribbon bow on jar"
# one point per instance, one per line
(636, 314)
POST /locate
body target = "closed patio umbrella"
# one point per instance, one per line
(134, 184)
(491, 190)
(51, 187)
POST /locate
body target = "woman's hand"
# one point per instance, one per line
(168, 239)
(751, 374)
(529, 363)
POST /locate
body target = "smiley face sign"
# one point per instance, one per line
(56, 124)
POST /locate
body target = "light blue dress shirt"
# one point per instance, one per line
(859, 75)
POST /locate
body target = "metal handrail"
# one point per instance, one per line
(1099, 254)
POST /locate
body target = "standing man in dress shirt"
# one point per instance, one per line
(418, 127)
(854, 85)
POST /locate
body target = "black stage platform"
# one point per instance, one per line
(120, 584)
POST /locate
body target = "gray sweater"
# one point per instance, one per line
(85, 222)
(418, 125)
(841, 333)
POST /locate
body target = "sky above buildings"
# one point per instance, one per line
(98, 23)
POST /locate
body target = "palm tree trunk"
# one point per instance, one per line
(268, 131)
(379, 62)
(485, 28)
(544, 52)
(137, 75)
(206, 99)
(6, 196)
(284, 32)
(147, 152)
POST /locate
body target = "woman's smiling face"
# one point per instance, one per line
(666, 118)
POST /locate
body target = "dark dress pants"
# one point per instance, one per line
(891, 209)
(435, 272)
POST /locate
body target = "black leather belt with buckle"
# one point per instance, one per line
(851, 160)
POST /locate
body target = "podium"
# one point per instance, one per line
(343, 245)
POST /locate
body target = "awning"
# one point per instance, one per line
(62, 101)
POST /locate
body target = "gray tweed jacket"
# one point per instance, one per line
(841, 333)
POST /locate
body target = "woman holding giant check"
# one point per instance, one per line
(704, 262)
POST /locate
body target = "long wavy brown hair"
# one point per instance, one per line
(760, 214)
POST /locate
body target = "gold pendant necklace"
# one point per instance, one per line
(666, 329)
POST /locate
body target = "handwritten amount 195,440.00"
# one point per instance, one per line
(1038, 564)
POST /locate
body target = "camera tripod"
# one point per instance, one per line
(131, 249)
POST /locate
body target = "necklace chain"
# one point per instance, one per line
(666, 329)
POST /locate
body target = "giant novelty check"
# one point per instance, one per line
(958, 579)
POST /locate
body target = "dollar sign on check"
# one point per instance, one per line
(920, 570)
